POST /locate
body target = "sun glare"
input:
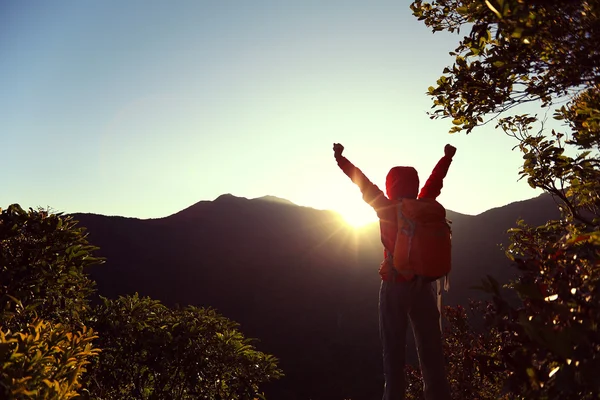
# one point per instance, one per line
(358, 216)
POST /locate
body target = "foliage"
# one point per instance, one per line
(517, 51)
(154, 352)
(44, 344)
(556, 343)
(471, 358)
(42, 258)
(545, 52)
(45, 361)
(148, 350)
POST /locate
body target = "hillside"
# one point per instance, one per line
(299, 279)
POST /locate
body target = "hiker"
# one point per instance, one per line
(406, 296)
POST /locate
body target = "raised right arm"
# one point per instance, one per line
(371, 193)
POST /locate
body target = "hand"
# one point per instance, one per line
(338, 149)
(449, 150)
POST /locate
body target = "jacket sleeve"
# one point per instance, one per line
(434, 184)
(371, 193)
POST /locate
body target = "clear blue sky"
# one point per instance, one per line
(144, 107)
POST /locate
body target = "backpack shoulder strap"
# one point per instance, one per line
(408, 226)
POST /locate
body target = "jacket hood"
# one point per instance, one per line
(402, 182)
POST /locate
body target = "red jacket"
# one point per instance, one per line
(386, 208)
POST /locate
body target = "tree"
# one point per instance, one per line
(150, 351)
(516, 52)
(542, 52)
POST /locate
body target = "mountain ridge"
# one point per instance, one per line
(283, 201)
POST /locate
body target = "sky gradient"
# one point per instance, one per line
(143, 107)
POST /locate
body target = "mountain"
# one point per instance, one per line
(299, 279)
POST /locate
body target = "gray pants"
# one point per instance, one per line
(399, 302)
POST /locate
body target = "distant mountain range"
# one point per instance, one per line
(300, 280)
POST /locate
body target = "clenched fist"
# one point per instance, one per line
(449, 150)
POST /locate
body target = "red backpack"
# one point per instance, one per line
(423, 242)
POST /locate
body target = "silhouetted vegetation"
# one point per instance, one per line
(138, 348)
(150, 351)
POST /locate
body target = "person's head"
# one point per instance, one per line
(402, 182)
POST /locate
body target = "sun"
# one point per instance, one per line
(357, 215)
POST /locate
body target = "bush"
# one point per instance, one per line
(46, 361)
(42, 261)
(154, 352)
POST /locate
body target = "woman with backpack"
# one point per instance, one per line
(416, 241)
